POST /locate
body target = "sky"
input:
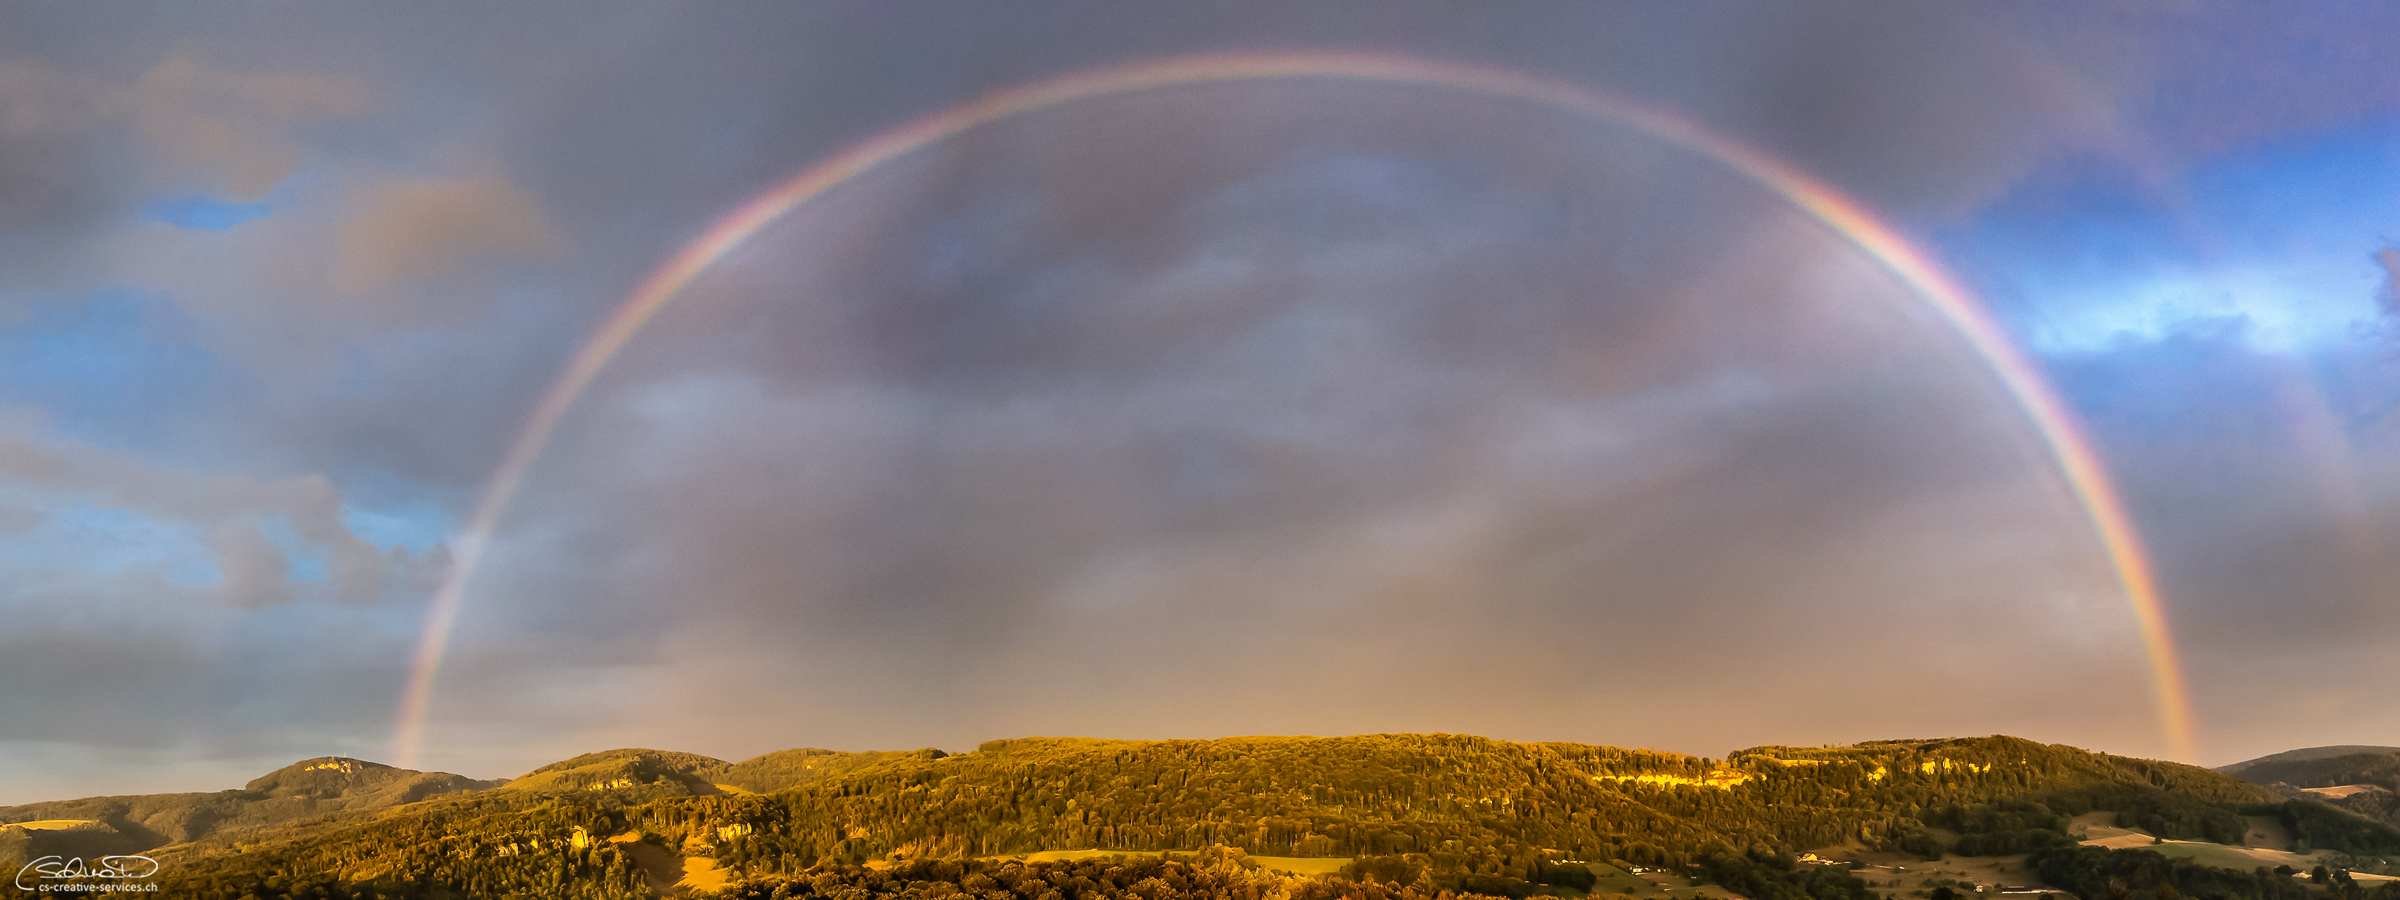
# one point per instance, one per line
(1292, 405)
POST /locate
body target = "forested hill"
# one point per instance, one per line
(1386, 794)
(2361, 780)
(1455, 805)
(312, 789)
(662, 773)
(2324, 767)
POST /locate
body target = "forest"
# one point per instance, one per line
(1428, 814)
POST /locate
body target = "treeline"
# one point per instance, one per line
(2377, 767)
(307, 793)
(650, 774)
(2094, 874)
(2320, 827)
(1459, 813)
(2025, 825)
(1768, 877)
(1397, 794)
(2366, 765)
(2000, 829)
(2381, 806)
(1317, 798)
(486, 845)
(1217, 873)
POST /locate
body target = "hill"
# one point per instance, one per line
(2306, 754)
(2357, 779)
(310, 789)
(664, 773)
(2324, 767)
(1440, 812)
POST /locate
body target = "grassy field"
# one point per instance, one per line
(1904, 875)
(669, 874)
(1653, 885)
(1290, 865)
(2269, 844)
(2266, 832)
(2346, 790)
(1612, 881)
(48, 824)
(2229, 857)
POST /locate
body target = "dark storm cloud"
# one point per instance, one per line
(43, 118)
(160, 677)
(2201, 79)
(1348, 428)
(597, 121)
(1145, 416)
(87, 149)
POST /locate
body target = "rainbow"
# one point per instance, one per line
(2085, 476)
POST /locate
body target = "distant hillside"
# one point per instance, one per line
(357, 784)
(1452, 810)
(2324, 767)
(664, 773)
(325, 786)
(632, 771)
(2305, 754)
(2356, 779)
(792, 768)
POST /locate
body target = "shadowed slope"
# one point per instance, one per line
(325, 786)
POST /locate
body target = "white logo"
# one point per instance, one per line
(49, 870)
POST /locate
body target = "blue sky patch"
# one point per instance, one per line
(2278, 242)
(106, 541)
(204, 213)
(416, 525)
(308, 560)
(111, 368)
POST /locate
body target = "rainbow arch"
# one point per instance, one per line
(2086, 478)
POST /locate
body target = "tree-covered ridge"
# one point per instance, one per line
(669, 773)
(2292, 772)
(2013, 760)
(791, 768)
(1462, 812)
(1392, 794)
(657, 772)
(2246, 768)
(364, 784)
(313, 790)
(2092, 873)
(1280, 796)
(2376, 766)
(492, 844)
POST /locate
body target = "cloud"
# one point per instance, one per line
(46, 120)
(403, 231)
(1356, 428)
(177, 688)
(356, 256)
(253, 572)
(2263, 481)
(89, 148)
(230, 510)
(234, 131)
(15, 521)
(2389, 296)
